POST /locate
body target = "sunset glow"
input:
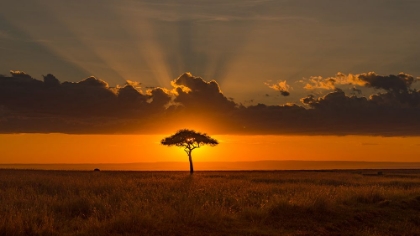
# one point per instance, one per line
(90, 82)
(62, 148)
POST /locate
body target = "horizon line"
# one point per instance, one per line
(164, 162)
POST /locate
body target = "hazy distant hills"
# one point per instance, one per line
(252, 165)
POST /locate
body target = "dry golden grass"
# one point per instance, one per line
(209, 203)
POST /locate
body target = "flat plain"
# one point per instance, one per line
(323, 202)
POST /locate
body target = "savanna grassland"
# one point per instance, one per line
(34, 202)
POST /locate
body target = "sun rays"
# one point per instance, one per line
(134, 41)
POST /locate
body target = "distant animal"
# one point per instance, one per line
(96, 169)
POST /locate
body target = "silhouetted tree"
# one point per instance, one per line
(189, 140)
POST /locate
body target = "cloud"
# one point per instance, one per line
(51, 80)
(159, 98)
(317, 82)
(281, 86)
(92, 106)
(49, 103)
(198, 95)
(331, 83)
(395, 83)
(380, 114)
(20, 74)
(336, 100)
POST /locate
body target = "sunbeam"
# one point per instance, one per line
(145, 43)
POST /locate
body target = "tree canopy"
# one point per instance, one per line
(189, 138)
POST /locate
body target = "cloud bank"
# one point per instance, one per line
(281, 86)
(28, 105)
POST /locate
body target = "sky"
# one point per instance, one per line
(326, 74)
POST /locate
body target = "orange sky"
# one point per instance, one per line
(64, 148)
(268, 75)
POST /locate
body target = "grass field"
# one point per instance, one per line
(356, 202)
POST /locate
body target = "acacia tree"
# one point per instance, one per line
(189, 140)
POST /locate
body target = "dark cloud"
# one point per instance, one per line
(20, 74)
(398, 89)
(92, 106)
(195, 94)
(159, 98)
(394, 83)
(50, 80)
(284, 93)
(380, 114)
(89, 105)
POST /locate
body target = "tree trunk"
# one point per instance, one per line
(191, 163)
